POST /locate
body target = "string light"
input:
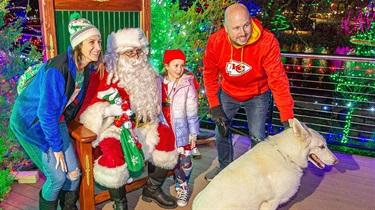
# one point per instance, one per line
(175, 26)
(12, 62)
(355, 81)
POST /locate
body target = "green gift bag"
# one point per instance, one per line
(134, 157)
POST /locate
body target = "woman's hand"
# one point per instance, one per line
(60, 160)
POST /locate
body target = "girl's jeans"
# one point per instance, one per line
(56, 179)
(256, 113)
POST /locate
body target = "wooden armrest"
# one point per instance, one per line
(80, 133)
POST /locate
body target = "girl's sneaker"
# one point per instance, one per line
(182, 197)
(182, 194)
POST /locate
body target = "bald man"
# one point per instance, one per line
(242, 66)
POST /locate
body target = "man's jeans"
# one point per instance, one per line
(56, 179)
(256, 113)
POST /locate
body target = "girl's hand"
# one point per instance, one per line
(192, 140)
(60, 160)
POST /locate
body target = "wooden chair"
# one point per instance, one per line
(108, 16)
(82, 138)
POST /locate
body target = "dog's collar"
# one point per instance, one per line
(286, 157)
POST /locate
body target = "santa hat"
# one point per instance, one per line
(80, 29)
(171, 55)
(126, 39)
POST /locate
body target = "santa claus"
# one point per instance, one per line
(127, 98)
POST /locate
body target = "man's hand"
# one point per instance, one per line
(222, 128)
(287, 124)
(218, 115)
(113, 110)
(60, 160)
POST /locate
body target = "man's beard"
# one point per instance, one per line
(128, 69)
(140, 81)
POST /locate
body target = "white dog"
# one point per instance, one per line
(269, 174)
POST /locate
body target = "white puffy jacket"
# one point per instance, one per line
(184, 110)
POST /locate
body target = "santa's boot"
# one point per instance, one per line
(46, 205)
(118, 195)
(152, 190)
(68, 199)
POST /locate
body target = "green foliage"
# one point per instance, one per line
(175, 28)
(12, 64)
(5, 183)
(6, 179)
(9, 46)
(352, 150)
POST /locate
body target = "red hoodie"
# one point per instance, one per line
(261, 69)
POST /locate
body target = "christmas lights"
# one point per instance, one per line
(12, 63)
(175, 28)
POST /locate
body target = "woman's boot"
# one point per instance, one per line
(118, 195)
(68, 199)
(46, 205)
(152, 190)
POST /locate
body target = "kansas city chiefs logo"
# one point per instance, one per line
(235, 68)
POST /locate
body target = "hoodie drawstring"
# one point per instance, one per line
(231, 56)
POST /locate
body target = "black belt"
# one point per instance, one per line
(165, 104)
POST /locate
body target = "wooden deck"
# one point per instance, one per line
(350, 185)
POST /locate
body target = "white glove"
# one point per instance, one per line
(113, 110)
(112, 78)
(129, 112)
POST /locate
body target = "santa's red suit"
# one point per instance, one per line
(110, 168)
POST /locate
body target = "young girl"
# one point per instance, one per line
(180, 108)
(51, 100)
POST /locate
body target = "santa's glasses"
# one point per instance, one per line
(132, 53)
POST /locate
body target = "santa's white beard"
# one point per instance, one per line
(124, 62)
(141, 83)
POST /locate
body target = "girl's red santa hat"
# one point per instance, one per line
(171, 55)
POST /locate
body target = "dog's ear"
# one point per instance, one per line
(290, 121)
(300, 129)
(297, 127)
